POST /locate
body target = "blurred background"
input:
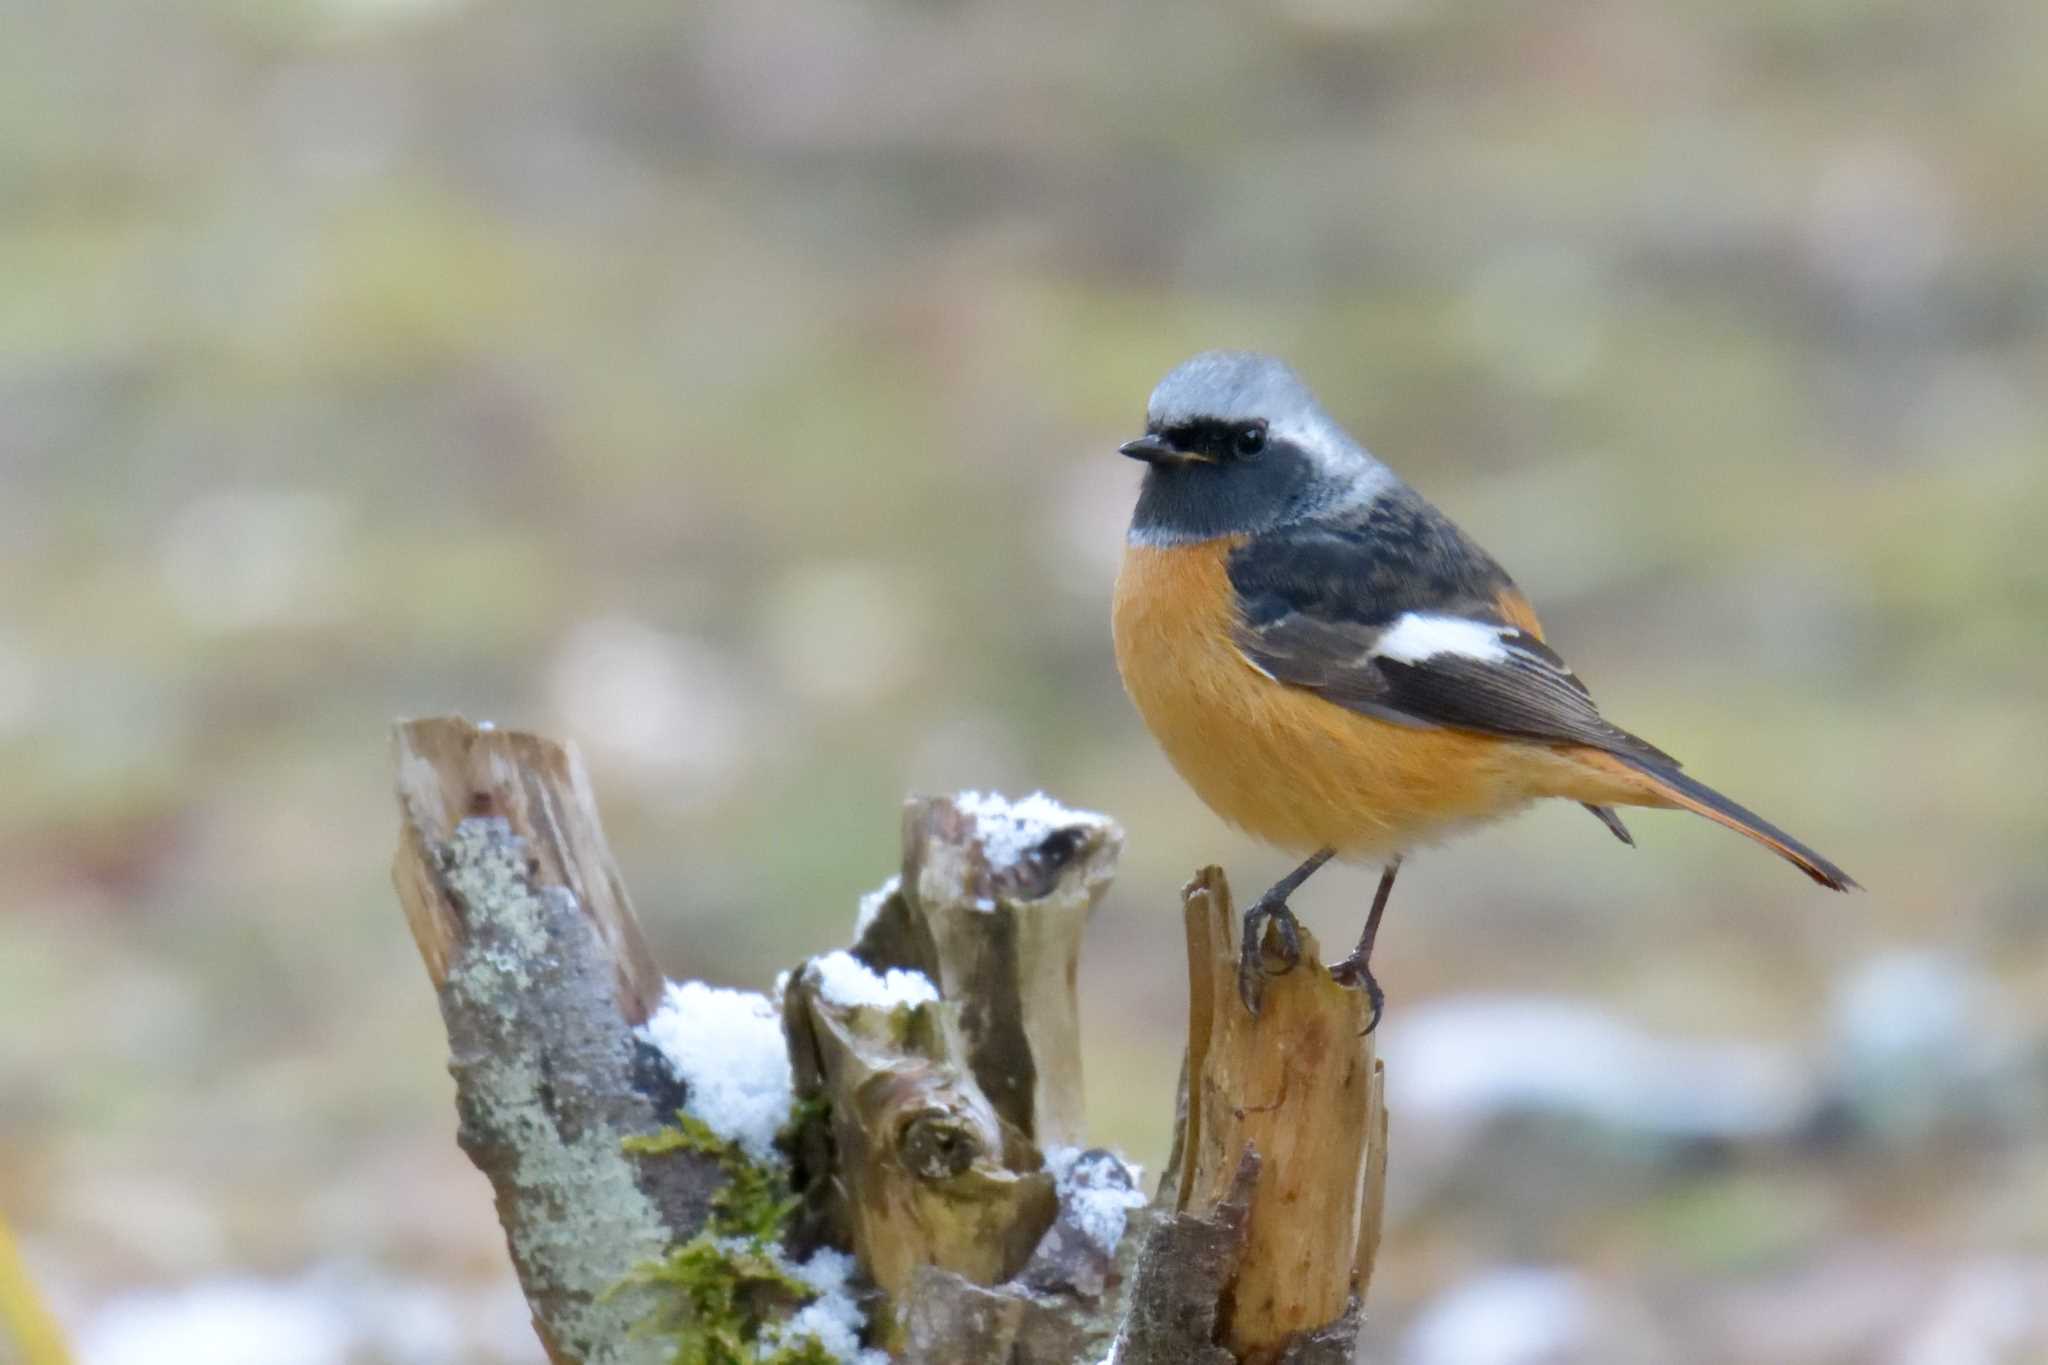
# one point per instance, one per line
(734, 388)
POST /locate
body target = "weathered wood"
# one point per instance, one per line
(1282, 1114)
(1183, 1280)
(1001, 936)
(941, 1115)
(926, 1173)
(946, 1150)
(450, 771)
(542, 974)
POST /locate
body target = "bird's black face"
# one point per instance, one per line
(1210, 477)
(1203, 441)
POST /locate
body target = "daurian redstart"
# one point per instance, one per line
(1338, 670)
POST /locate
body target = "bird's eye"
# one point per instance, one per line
(1250, 439)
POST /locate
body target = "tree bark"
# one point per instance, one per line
(542, 974)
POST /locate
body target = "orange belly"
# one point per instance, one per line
(1281, 763)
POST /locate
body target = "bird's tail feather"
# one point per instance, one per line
(1682, 791)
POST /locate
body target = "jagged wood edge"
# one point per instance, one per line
(1230, 1219)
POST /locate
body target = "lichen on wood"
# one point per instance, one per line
(541, 974)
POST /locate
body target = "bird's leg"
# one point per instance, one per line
(1356, 970)
(1251, 969)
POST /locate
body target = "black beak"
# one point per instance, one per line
(1152, 449)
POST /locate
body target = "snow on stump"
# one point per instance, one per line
(883, 1159)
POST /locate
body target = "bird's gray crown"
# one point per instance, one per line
(1231, 386)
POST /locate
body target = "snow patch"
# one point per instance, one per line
(871, 904)
(846, 981)
(332, 1315)
(1515, 1315)
(727, 1047)
(1010, 830)
(1463, 1061)
(834, 1318)
(1097, 1190)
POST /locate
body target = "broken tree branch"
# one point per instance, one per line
(542, 975)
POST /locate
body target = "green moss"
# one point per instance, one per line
(810, 1351)
(719, 1294)
(720, 1290)
(756, 1201)
(803, 1112)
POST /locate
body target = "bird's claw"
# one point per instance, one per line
(1251, 962)
(1354, 972)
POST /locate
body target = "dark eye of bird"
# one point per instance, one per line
(1250, 439)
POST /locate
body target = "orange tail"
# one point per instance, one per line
(1676, 789)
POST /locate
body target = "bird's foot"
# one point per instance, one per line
(1251, 962)
(1356, 972)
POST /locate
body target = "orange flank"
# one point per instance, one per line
(1289, 767)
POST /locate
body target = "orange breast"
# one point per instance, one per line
(1278, 761)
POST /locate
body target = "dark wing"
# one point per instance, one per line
(1397, 615)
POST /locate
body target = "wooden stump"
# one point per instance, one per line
(938, 1094)
(1279, 1170)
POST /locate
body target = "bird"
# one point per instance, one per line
(1338, 670)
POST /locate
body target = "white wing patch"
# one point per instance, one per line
(1416, 636)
